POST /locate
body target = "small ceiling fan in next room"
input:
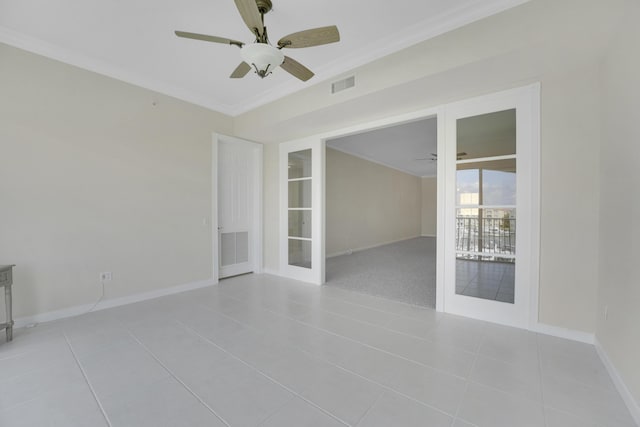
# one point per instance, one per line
(434, 156)
(260, 55)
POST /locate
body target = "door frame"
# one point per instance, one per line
(257, 220)
(440, 113)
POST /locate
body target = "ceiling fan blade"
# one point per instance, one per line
(240, 71)
(251, 15)
(313, 37)
(296, 69)
(207, 38)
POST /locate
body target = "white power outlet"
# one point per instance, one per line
(105, 277)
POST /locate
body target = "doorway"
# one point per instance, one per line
(381, 207)
(237, 206)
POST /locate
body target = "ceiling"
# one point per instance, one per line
(397, 147)
(133, 41)
(410, 147)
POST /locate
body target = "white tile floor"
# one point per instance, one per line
(264, 351)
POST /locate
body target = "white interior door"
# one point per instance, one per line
(236, 207)
(301, 210)
(491, 155)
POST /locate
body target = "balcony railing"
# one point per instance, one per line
(489, 238)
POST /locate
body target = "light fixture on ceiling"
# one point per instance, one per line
(260, 55)
(263, 57)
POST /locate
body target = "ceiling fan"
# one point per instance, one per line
(434, 156)
(260, 55)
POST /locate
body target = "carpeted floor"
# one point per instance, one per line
(404, 271)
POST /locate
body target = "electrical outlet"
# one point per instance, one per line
(105, 277)
(606, 312)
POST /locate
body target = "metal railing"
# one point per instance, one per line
(486, 236)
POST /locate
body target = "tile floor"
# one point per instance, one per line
(410, 265)
(487, 280)
(265, 351)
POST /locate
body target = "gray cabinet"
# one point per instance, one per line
(6, 280)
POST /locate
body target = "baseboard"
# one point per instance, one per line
(109, 303)
(632, 405)
(559, 332)
(428, 235)
(364, 248)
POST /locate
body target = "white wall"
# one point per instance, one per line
(95, 178)
(368, 204)
(429, 188)
(619, 242)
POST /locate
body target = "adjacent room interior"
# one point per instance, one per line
(381, 212)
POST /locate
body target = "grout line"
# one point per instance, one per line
(176, 378)
(86, 378)
(361, 294)
(369, 409)
(338, 366)
(476, 352)
(337, 335)
(311, 325)
(275, 411)
(468, 381)
(544, 410)
(193, 331)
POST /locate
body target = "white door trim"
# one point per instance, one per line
(257, 202)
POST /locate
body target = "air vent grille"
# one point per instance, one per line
(343, 84)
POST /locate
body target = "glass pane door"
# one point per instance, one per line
(486, 206)
(299, 168)
(301, 210)
(490, 213)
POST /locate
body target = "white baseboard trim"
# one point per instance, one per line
(428, 235)
(364, 248)
(632, 405)
(559, 332)
(109, 303)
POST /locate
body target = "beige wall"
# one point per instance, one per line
(94, 178)
(429, 206)
(368, 204)
(619, 243)
(569, 153)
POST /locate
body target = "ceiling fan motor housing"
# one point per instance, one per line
(264, 6)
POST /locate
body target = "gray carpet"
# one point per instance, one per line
(404, 271)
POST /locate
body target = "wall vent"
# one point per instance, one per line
(343, 84)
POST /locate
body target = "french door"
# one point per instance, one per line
(302, 210)
(490, 162)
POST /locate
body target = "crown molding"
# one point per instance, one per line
(372, 160)
(428, 28)
(48, 50)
